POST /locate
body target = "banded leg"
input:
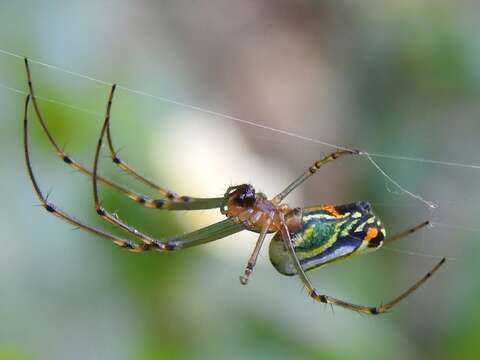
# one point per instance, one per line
(131, 171)
(406, 232)
(101, 211)
(253, 258)
(326, 299)
(198, 237)
(311, 170)
(177, 203)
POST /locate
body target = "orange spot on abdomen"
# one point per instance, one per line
(331, 210)
(371, 234)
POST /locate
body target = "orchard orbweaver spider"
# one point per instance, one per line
(305, 238)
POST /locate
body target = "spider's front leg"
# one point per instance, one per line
(169, 199)
(209, 233)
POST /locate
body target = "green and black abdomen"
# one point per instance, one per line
(329, 233)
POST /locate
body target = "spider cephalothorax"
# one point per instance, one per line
(305, 238)
(243, 195)
(255, 211)
(239, 198)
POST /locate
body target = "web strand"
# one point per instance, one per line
(368, 155)
(226, 116)
(430, 204)
(415, 253)
(41, 98)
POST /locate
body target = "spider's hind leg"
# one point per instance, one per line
(407, 232)
(311, 171)
(326, 299)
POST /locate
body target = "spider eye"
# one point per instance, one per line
(245, 195)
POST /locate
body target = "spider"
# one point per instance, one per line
(304, 238)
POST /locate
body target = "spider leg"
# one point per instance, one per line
(51, 208)
(311, 170)
(406, 232)
(253, 258)
(168, 203)
(175, 201)
(131, 171)
(115, 220)
(209, 233)
(326, 299)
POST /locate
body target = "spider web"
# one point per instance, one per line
(392, 185)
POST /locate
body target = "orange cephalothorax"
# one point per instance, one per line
(255, 210)
(239, 199)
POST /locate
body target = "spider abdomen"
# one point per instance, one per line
(329, 233)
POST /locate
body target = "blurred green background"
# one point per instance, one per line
(399, 78)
